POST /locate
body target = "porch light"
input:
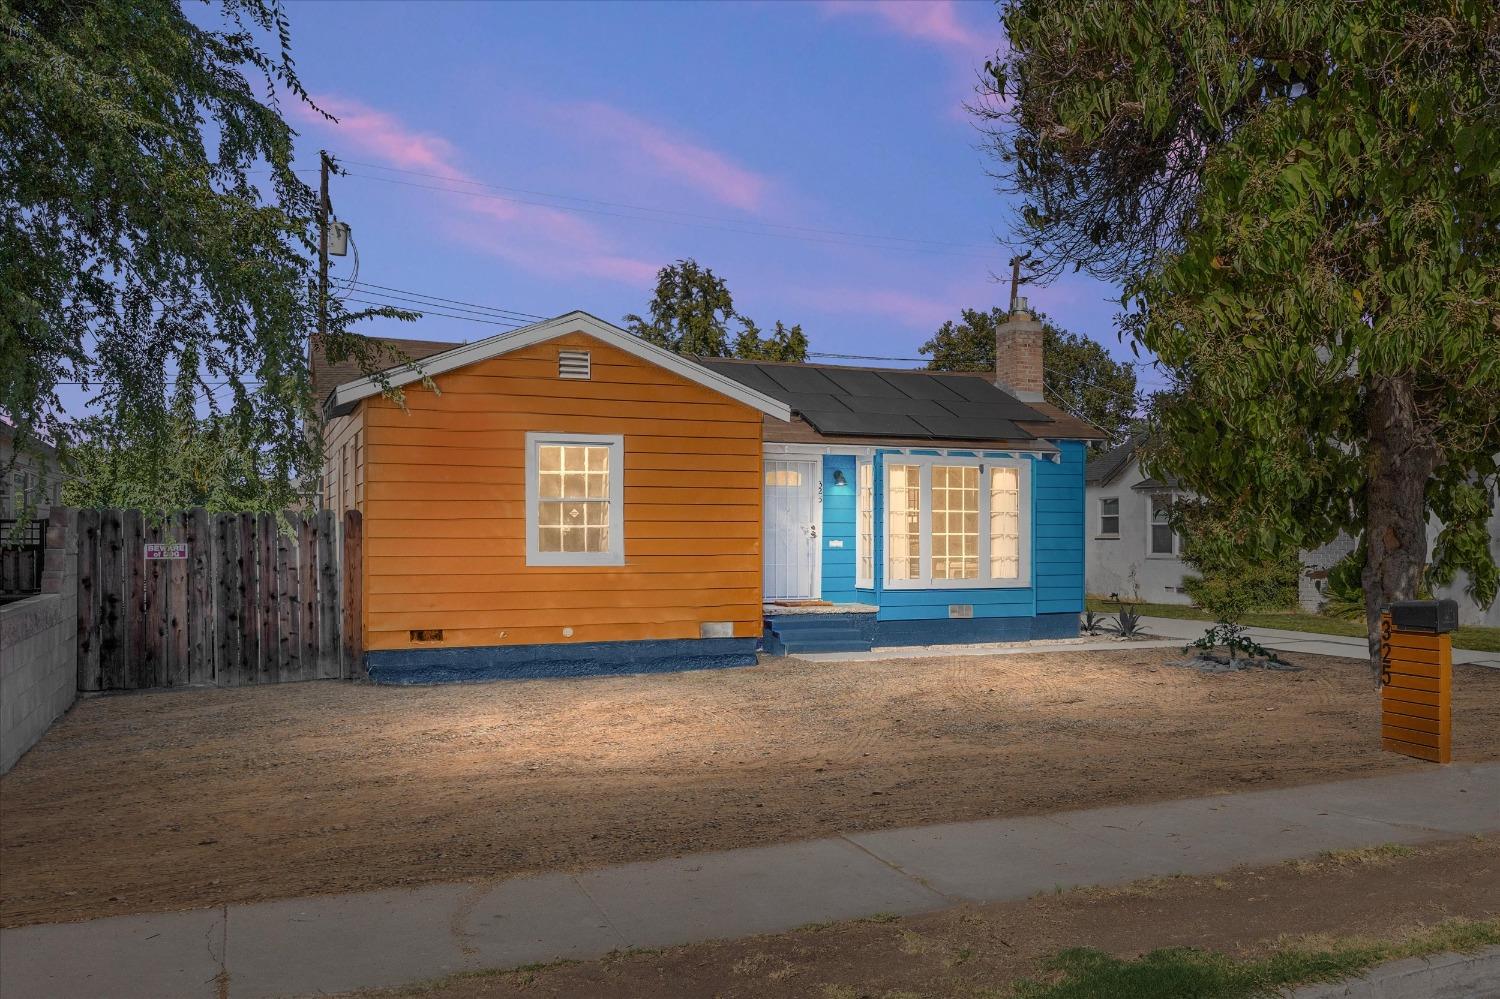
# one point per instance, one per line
(838, 477)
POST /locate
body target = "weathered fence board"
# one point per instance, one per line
(256, 600)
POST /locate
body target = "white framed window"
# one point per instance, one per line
(957, 523)
(575, 499)
(1109, 516)
(864, 525)
(1161, 540)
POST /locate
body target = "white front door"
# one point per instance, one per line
(791, 532)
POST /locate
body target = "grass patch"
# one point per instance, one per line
(1473, 637)
(1188, 973)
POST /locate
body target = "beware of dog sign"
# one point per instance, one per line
(155, 551)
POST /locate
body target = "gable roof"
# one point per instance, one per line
(910, 405)
(327, 375)
(343, 398)
(1102, 469)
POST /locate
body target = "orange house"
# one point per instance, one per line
(571, 499)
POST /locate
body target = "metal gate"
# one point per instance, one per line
(791, 528)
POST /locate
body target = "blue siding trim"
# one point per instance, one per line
(977, 629)
(525, 662)
(838, 525)
(1058, 524)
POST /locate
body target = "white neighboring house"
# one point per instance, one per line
(1129, 547)
(29, 479)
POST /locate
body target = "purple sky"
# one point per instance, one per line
(536, 134)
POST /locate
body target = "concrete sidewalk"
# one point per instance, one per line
(1301, 641)
(1165, 632)
(337, 943)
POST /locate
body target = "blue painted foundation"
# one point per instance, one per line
(962, 631)
(527, 662)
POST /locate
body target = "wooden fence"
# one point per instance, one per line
(249, 604)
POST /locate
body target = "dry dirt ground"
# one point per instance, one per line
(172, 800)
(978, 951)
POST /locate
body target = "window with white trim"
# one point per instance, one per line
(1109, 516)
(903, 523)
(1005, 522)
(864, 528)
(1161, 540)
(575, 499)
(955, 523)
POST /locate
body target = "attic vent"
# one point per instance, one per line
(573, 364)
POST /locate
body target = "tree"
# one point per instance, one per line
(690, 314)
(151, 213)
(1081, 376)
(1300, 203)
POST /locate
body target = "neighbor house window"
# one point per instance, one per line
(955, 523)
(574, 499)
(864, 535)
(1161, 540)
(1109, 517)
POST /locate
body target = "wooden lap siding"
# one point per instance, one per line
(444, 504)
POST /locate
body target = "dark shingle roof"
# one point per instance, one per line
(1108, 465)
(905, 403)
(328, 375)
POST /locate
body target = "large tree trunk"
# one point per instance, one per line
(1401, 458)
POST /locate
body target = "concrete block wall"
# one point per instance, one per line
(39, 646)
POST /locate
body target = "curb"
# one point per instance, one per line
(1442, 976)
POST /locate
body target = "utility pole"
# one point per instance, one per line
(324, 164)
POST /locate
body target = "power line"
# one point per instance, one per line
(504, 324)
(668, 221)
(447, 301)
(673, 211)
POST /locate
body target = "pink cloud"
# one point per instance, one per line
(924, 20)
(914, 310)
(535, 237)
(711, 172)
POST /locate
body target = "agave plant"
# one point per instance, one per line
(1091, 623)
(1127, 623)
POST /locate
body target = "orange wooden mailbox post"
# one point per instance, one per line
(1416, 678)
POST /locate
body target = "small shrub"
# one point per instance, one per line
(1127, 623)
(1091, 623)
(1233, 638)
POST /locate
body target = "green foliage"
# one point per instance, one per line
(690, 314)
(1300, 202)
(1081, 377)
(191, 462)
(1234, 638)
(1190, 973)
(151, 212)
(1237, 571)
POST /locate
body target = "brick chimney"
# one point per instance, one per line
(1018, 354)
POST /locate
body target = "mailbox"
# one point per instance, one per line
(1432, 617)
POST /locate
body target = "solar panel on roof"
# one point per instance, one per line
(865, 424)
(803, 401)
(921, 386)
(903, 405)
(806, 380)
(1003, 407)
(970, 429)
(864, 383)
(749, 375)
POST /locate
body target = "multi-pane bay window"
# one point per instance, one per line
(574, 499)
(864, 528)
(952, 522)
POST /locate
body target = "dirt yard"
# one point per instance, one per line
(1371, 897)
(175, 800)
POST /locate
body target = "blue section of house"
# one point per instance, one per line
(838, 529)
(525, 662)
(1057, 529)
(955, 631)
(789, 634)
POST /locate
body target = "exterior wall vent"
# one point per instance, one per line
(960, 610)
(427, 634)
(573, 364)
